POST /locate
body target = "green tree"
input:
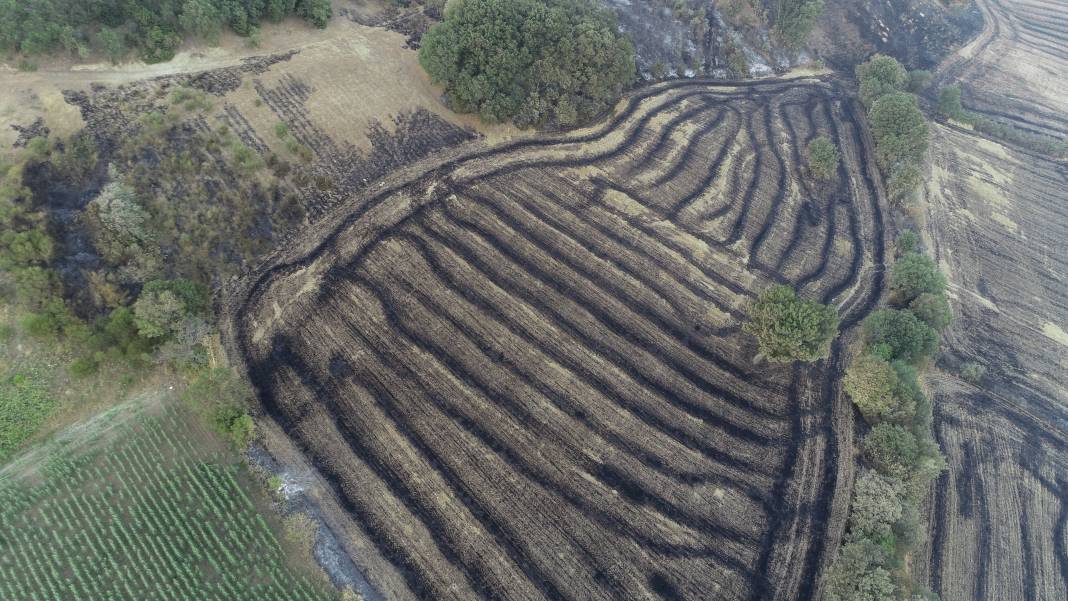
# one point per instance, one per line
(903, 182)
(898, 334)
(877, 388)
(530, 61)
(932, 309)
(822, 157)
(876, 507)
(794, 20)
(918, 80)
(949, 102)
(914, 274)
(891, 449)
(900, 131)
(788, 328)
(111, 44)
(858, 574)
(316, 12)
(880, 76)
(164, 306)
(202, 18)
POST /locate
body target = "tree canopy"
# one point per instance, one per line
(880, 76)
(533, 62)
(823, 157)
(898, 334)
(914, 274)
(900, 130)
(789, 328)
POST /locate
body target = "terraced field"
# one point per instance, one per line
(522, 367)
(998, 223)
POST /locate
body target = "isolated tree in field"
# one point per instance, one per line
(949, 102)
(788, 328)
(529, 61)
(880, 76)
(914, 274)
(823, 157)
(877, 389)
(898, 334)
(900, 131)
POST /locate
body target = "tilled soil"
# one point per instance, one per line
(522, 368)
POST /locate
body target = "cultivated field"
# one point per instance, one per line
(148, 509)
(522, 368)
(997, 221)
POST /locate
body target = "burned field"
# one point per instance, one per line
(522, 368)
(998, 224)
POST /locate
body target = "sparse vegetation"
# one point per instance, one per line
(529, 61)
(789, 328)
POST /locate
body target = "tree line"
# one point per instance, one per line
(154, 28)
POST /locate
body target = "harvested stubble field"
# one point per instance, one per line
(522, 368)
(998, 224)
(1013, 72)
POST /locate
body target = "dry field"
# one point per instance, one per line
(998, 223)
(1014, 71)
(522, 370)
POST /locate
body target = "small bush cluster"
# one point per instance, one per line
(900, 456)
(222, 399)
(898, 126)
(788, 328)
(822, 157)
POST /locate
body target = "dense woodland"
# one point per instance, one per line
(153, 28)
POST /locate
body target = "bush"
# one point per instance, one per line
(823, 157)
(880, 76)
(918, 80)
(932, 309)
(900, 130)
(907, 242)
(790, 329)
(876, 507)
(165, 305)
(221, 399)
(898, 334)
(876, 387)
(914, 274)
(529, 61)
(972, 372)
(903, 183)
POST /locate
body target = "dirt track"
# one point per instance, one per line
(521, 368)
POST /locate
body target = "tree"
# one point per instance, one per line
(932, 309)
(898, 334)
(914, 274)
(918, 80)
(121, 228)
(823, 157)
(900, 131)
(111, 44)
(164, 306)
(794, 20)
(530, 61)
(876, 388)
(876, 507)
(949, 102)
(202, 18)
(858, 574)
(903, 182)
(891, 449)
(316, 12)
(880, 76)
(788, 328)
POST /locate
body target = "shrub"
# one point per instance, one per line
(876, 388)
(83, 367)
(880, 76)
(823, 157)
(221, 399)
(918, 80)
(164, 305)
(530, 61)
(932, 309)
(900, 130)
(907, 242)
(35, 287)
(972, 372)
(790, 329)
(898, 334)
(316, 12)
(891, 450)
(914, 274)
(904, 181)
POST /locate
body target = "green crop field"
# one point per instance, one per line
(150, 512)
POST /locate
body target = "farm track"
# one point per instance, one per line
(522, 368)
